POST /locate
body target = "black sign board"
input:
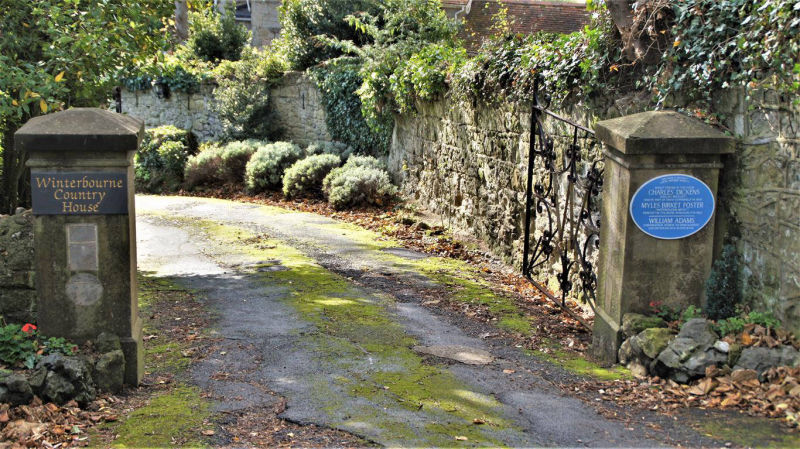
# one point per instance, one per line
(79, 193)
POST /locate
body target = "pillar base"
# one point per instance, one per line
(133, 349)
(606, 339)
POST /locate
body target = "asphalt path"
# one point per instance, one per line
(394, 374)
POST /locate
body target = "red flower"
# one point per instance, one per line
(28, 328)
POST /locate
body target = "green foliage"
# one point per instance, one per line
(338, 81)
(665, 311)
(337, 148)
(171, 71)
(305, 176)
(214, 37)
(242, 98)
(304, 23)
(735, 324)
(724, 43)
(265, 169)
(691, 312)
(398, 32)
(204, 168)
(160, 161)
(360, 186)
(234, 157)
(424, 75)
(16, 346)
(62, 53)
(724, 285)
(23, 346)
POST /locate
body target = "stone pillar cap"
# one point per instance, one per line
(81, 129)
(662, 132)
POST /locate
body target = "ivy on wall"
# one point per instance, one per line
(338, 81)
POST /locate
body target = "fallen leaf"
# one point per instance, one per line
(208, 433)
(462, 438)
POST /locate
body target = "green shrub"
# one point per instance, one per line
(204, 168)
(265, 169)
(304, 21)
(214, 37)
(360, 186)
(160, 161)
(242, 97)
(724, 285)
(305, 176)
(339, 149)
(234, 157)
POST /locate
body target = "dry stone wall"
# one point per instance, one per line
(468, 164)
(17, 289)
(295, 101)
(764, 197)
(187, 111)
(298, 111)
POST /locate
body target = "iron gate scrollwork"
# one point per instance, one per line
(561, 203)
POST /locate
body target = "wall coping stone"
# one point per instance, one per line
(654, 132)
(101, 130)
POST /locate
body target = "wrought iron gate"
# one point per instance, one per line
(561, 203)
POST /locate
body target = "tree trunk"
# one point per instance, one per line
(181, 20)
(638, 45)
(15, 184)
(8, 189)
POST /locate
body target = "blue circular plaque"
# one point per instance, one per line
(672, 206)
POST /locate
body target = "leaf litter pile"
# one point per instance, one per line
(52, 426)
(777, 395)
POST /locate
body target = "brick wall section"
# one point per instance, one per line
(17, 289)
(527, 16)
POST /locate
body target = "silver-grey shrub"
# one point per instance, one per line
(304, 178)
(352, 161)
(340, 149)
(265, 169)
(360, 186)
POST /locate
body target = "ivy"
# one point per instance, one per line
(720, 44)
(338, 81)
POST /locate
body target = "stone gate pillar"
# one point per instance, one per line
(657, 233)
(81, 163)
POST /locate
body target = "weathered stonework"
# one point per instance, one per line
(17, 274)
(298, 112)
(295, 100)
(186, 111)
(468, 164)
(265, 23)
(764, 198)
